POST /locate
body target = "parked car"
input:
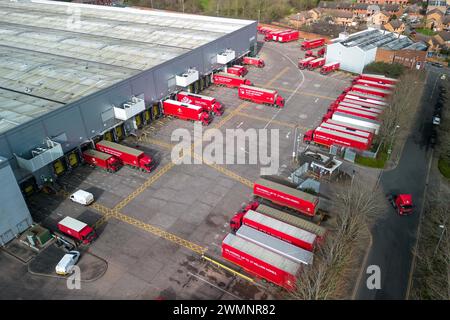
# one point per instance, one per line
(66, 264)
(436, 120)
(82, 197)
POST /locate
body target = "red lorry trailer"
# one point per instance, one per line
(103, 160)
(260, 261)
(351, 131)
(209, 103)
(311, 44)
(186, 111)
(128, 156)
(374, 84)
(274, 244)
(350, 126)
(255, 61)
(271, 35)
(285, 194)
(287, 36)
(327, 137)
(362, 103)
(295, 221)
(359, 97)
(376, 78)
(370, 90)
(355, 120)
(375, 111)
(279, 229)
(330, 67)
(303, 63)
(237, 70)
(78, 230)
(316, 63)
(363, 95)
(230, 80)
(261, 95)
(356, 112)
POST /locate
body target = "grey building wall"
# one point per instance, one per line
(78, 122)
(14, 214)
(351, 59)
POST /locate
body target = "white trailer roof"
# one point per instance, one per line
(73, 224)
(371, 83)
(358, 111)
(353, 96)
(367, 95)
(364, 103)
(196, 95)
(281, 226)
(276, 245)
(378, 76)
(350, 125)
(261, 253)
(359, 86)
(345, 129)
(342, 134)
(359, 107)
(288, 190)
(183, 104)
(350, 116)
(318, 59)
(228, 75)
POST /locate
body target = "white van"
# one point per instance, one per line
(66, 264)
(82, 197)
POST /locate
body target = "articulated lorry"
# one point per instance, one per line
(285, 194)
(261, 262)
(356, 120)
(209, 103)
(330, 67)
(128, 156)
(303, 63)
(254, 61)
(230, 80)
(261, 95)
(237, 70)
(185, 111)
(102, 160)
(376, 78)
(312, 44)
(327, 137)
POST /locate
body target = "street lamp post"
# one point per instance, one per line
(440, 238)
(392, 140)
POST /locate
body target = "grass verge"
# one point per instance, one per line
(378, 162)
(444, 167)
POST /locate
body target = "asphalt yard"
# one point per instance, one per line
(154, 228)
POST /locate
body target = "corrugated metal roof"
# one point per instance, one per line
(54, 53)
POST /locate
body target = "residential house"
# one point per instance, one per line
(360, 10)
(433, 45)
(400, 2)
(335, 5)
(343, 18)
(395, 25)
(443, 38)
(440, 5)
(304, 18)
(434, 20)
(446, 22)
(392, 9)
(379, 18)
(413, 11)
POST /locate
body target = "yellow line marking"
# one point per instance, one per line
(160, 233)
(220, 265)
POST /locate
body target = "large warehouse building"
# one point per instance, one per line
(357, 50)
(73, 73)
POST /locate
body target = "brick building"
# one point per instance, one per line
(413, 59)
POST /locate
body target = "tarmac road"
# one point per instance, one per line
(394, 236)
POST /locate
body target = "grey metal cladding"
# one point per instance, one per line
(29, 136)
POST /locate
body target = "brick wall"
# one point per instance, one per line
(408, 58)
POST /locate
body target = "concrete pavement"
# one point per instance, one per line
(394, 236)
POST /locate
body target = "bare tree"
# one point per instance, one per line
(328, 277)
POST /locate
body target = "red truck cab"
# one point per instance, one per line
(258, 62)
(77, 230)
(402, 203)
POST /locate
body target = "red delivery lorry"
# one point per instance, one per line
(374, 84)
(274, 244)
(279, 229)
(78, 230)
(128, 156)
(260, 261)
(316, 63)
(345, 129)
(357, 106)
(287, 36)
(311, 44)
(103, 160)
(352, 95)
(237, 70)
(321, 52)
(295, 221)
(377, 78)
(185, 111)
(285, 194)
(229, 80)
(255, 61)
(365, 94)
(309, 53)
(350, 126)
(271, 35)
(209, 103)
(261, 95)
(364, 104)
(303, 63)
(355, 120)
(370, 90)
(330, 67)
(355, 112)
(327, 138)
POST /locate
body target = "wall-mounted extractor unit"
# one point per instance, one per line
(40, 155)
(187, 78)
(226, 56)
(129, 109)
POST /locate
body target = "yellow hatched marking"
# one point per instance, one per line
(220, 265)
(160, 233)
